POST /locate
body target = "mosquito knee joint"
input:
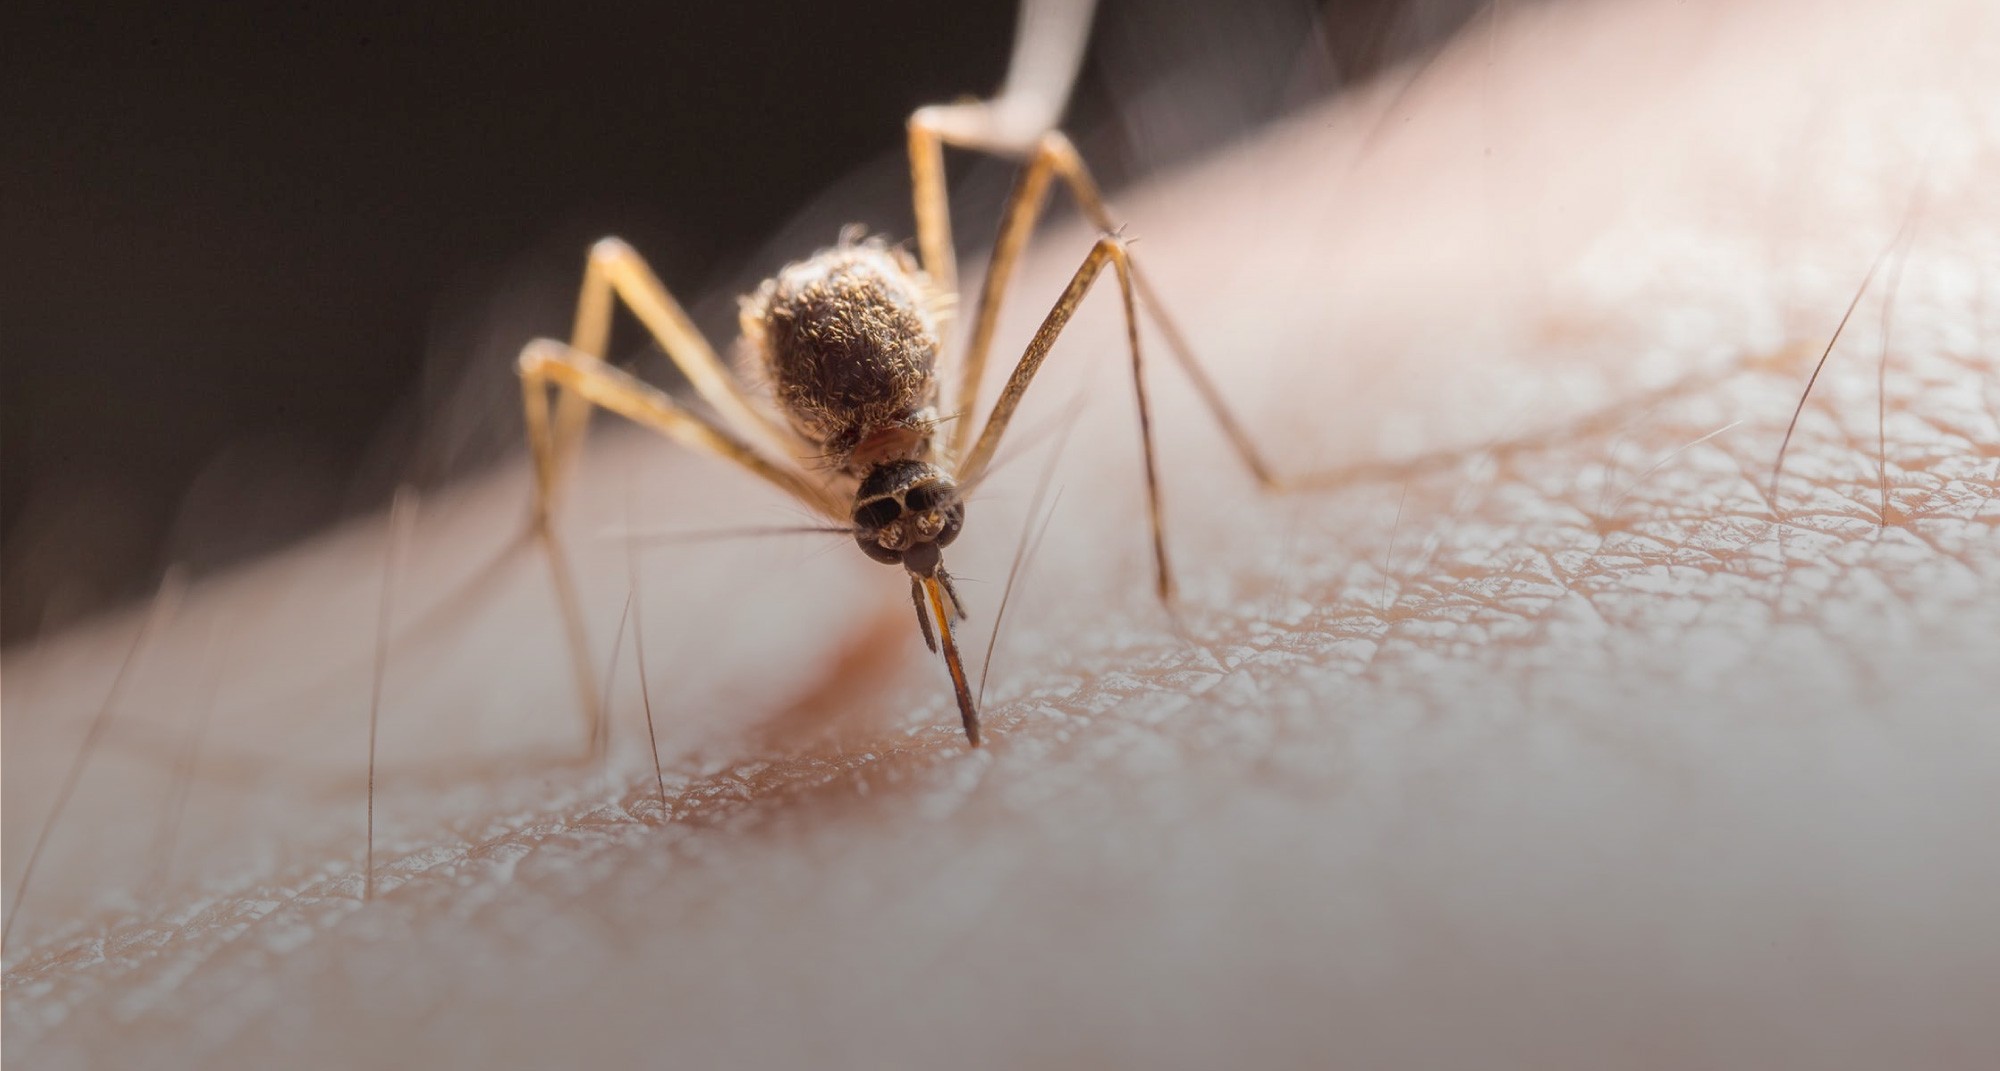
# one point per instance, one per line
(610, 248)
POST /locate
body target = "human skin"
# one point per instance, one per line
(1545, 736)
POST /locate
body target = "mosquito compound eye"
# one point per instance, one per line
(954, 519)
(877, 513)
(866, 541)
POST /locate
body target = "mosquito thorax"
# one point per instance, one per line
(905, 511)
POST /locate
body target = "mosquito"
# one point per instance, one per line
(838, 405)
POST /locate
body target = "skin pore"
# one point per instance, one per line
(1547, 736)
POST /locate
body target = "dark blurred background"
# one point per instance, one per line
(258, 270)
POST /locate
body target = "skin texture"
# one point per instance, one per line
(1543, 738)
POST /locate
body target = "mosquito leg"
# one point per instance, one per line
(1052, 156)
(576, 637)
(1017, 224)
(1081, 186)
(1048, 51)
(1076, 176)
(546, 364)
(615, 271)
(1108, 250)
(931, 203)
(1211, 396)
(1021, 122)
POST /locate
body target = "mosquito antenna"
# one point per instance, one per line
(659, 537)
(165, 602)
(1061, 424)
(402, 519)
(1025, 548)
(1023, 552)
(1048, 52)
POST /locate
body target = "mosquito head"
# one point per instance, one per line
(905, 512)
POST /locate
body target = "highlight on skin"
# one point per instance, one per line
(1556, 733)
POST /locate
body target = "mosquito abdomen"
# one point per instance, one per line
(849, 340)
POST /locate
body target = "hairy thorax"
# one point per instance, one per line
(848, 341)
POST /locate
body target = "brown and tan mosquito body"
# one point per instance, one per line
(849, 345)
